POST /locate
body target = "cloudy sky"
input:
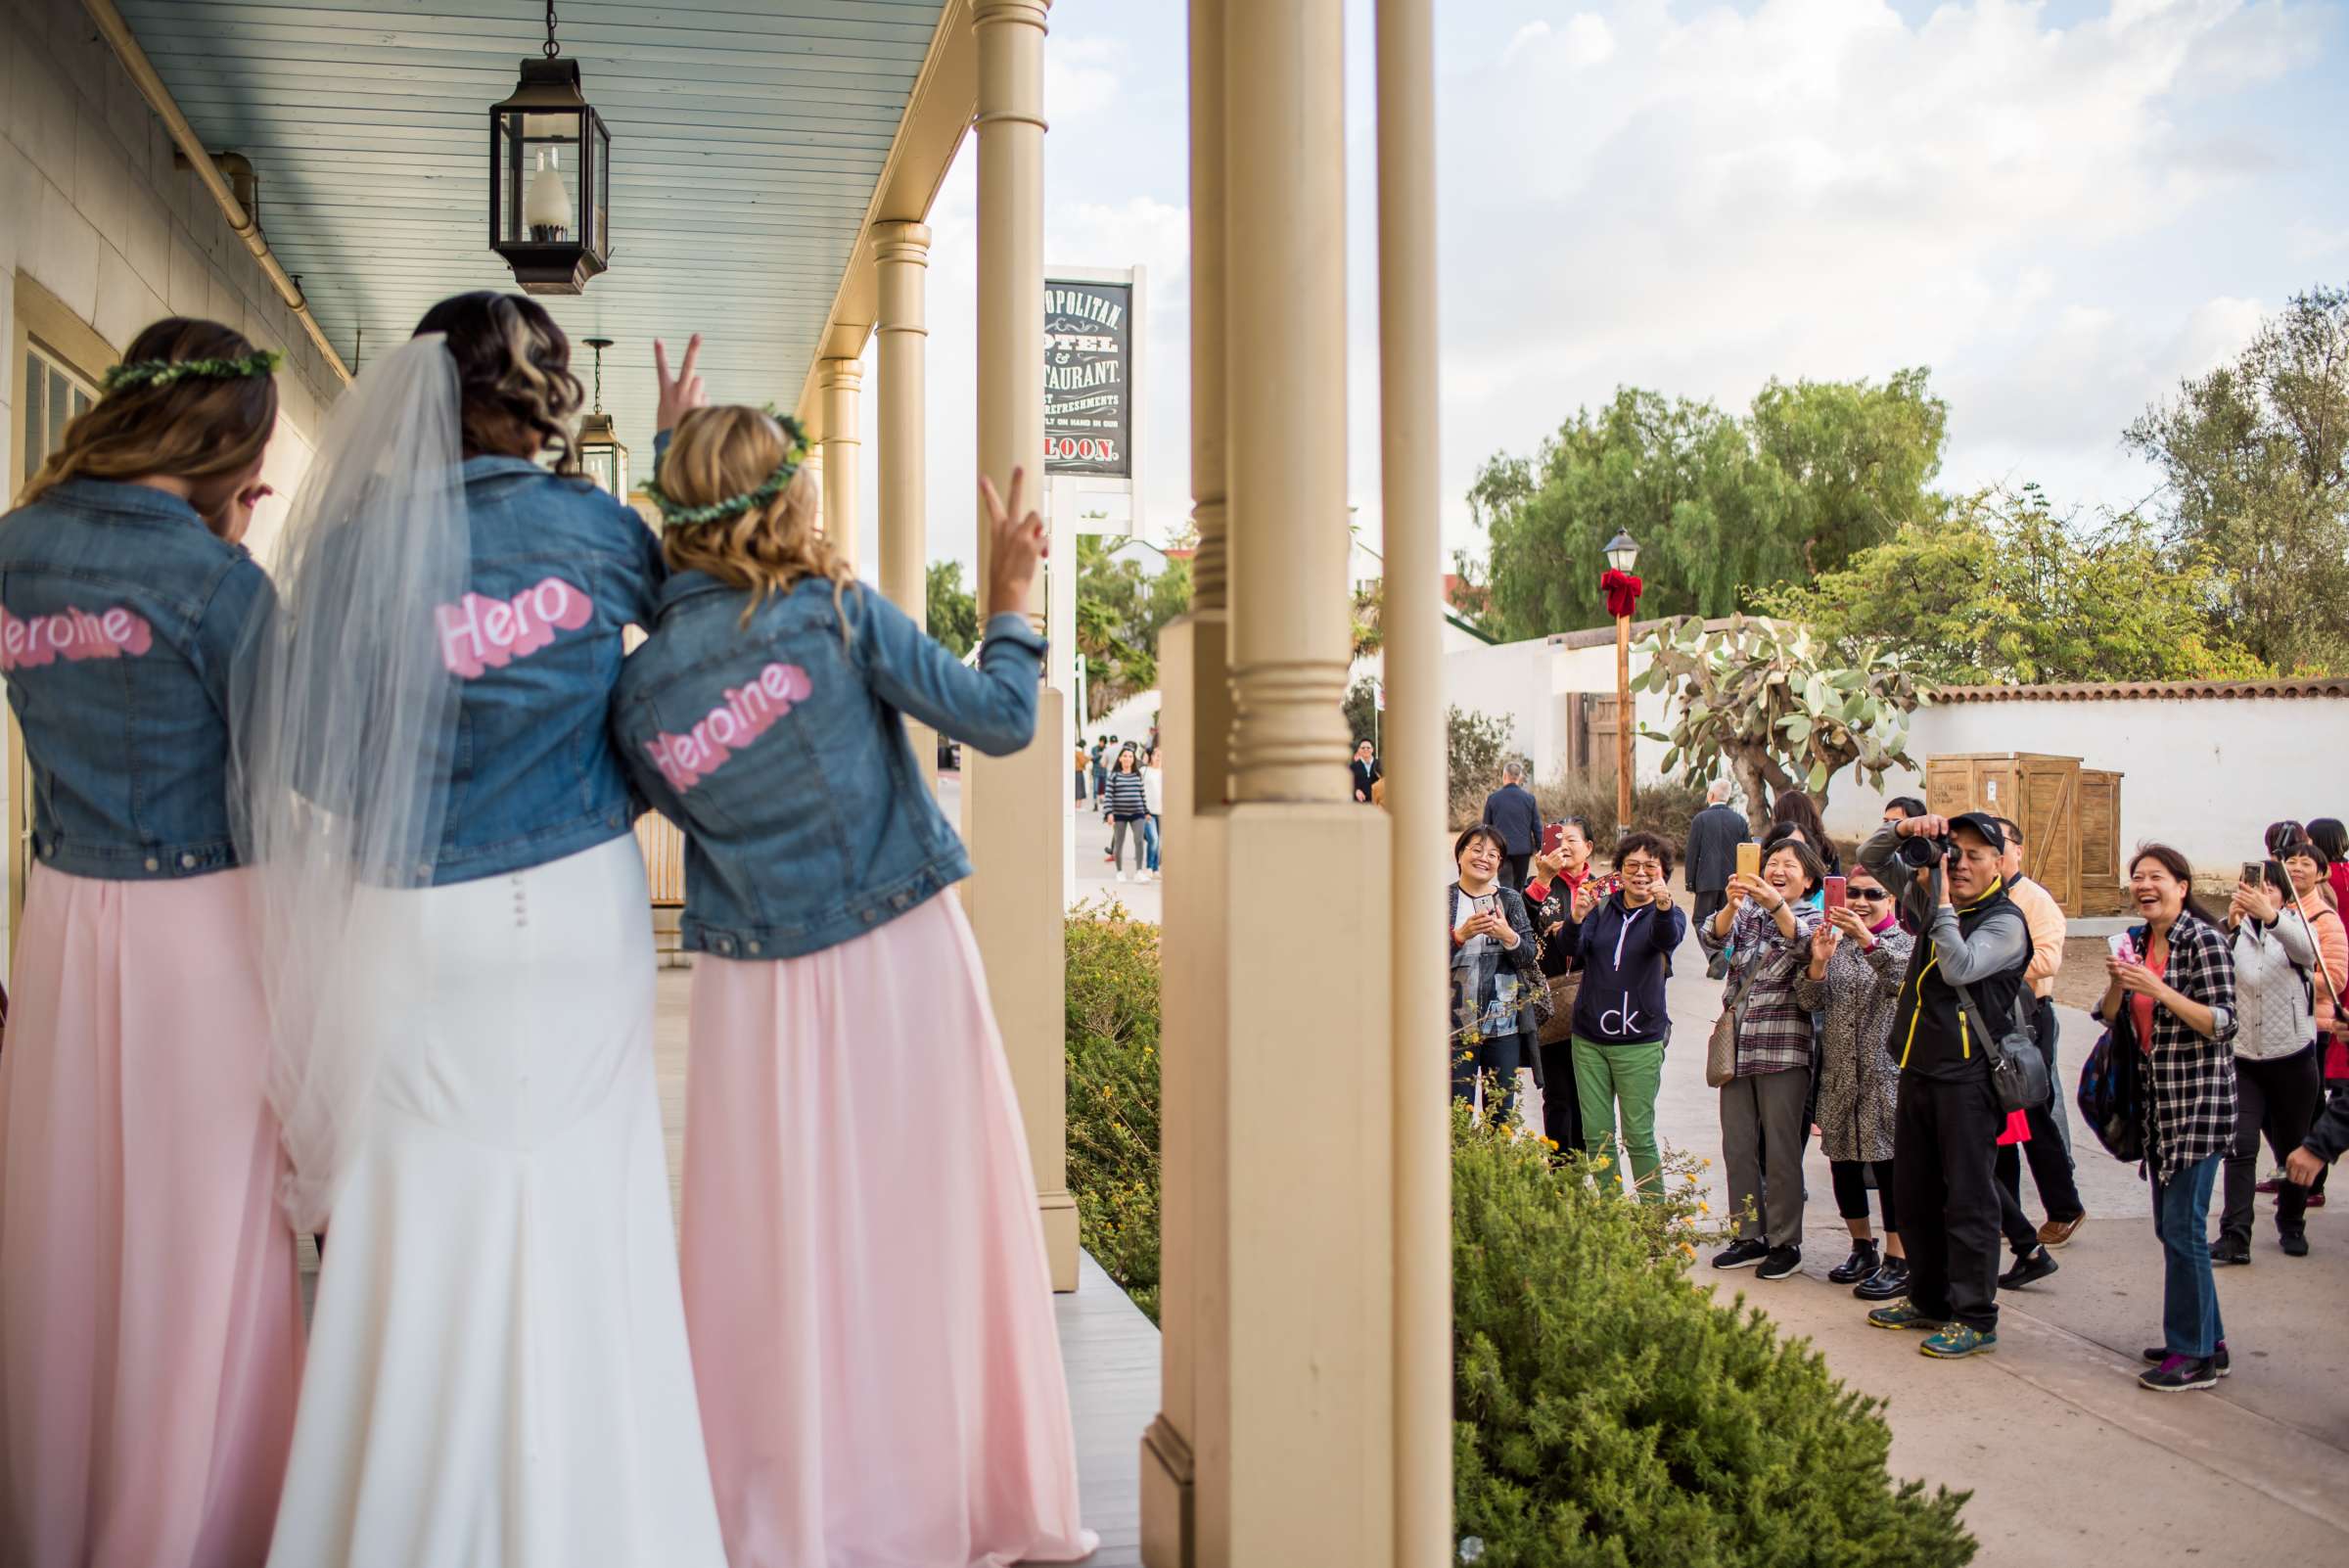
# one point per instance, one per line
(2061, 208)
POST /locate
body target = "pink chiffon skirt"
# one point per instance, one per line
(151, 1337)
(866, 1294)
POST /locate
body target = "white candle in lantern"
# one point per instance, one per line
(548, 205)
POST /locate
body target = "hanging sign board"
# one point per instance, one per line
(1089, 378)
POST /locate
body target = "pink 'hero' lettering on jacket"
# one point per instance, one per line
(113, 633)
(476, 634)
(686, 760)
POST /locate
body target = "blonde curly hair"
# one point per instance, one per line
(727, 451)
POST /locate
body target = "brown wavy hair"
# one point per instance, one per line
(731, 450)
(514, 383)
(202, 430)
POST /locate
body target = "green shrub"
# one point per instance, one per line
(1610, 1413)
(1663, 806)
(1113, 1094)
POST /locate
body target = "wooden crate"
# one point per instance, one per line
(2040, 792)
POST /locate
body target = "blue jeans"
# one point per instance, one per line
(2189, 1297)
(1150, 839)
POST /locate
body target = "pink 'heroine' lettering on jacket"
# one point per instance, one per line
(476, 634)
(113, 633)
(745, 715)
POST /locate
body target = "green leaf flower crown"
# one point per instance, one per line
(165, 372)
(676, 514)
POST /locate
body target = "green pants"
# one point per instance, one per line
(1606, 1075)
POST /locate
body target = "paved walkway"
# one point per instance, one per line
(2069, 1461)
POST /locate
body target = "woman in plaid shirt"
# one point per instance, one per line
(1765, 931)
(2172, 995)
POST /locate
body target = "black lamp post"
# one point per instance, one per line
(601, 453)
(550, 177)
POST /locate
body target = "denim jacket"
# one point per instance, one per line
(120, 614)
(558, 569)
(779, 749)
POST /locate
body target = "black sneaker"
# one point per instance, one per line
(2032, 1266)
(1741, 1254)
(1888, 1283)
(2293, 1243)
(2178, 1373)
(1857, 1266)
(2230, 1252)
(1781, 1261)
(2218, 1361)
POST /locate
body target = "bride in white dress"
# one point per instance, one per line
(461, 981)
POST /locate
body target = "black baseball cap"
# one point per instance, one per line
(1984, 825)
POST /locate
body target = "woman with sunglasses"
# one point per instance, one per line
(1857, 957)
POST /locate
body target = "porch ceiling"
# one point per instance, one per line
(747, 140)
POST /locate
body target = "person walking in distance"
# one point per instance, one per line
(2171, 994)
(1714, 835)
(1623, 940)
(2276, 1082)
(1154, 795)
(1510, 811)
(1947, 1123)
(1858, 958)
(1367, 772)
(1765, 931)
(2049, 1145)
(1126, 799)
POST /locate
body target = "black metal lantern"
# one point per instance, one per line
(601, 456)
(550, 178)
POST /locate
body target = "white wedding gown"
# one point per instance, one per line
(497, 1373)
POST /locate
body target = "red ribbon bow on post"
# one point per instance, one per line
(1622, 590)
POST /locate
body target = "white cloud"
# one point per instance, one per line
(1082, 76)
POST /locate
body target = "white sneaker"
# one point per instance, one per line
(1145, 876)
(1121, 876)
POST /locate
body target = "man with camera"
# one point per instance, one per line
(1946, 873)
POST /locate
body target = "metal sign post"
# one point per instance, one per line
(1094, 319)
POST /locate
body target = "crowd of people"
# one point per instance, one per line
(1901, 1010)
(337, 925)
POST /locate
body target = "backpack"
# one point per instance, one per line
(2113, 1090)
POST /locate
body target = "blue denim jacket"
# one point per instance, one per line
(120, 613)
(558, 569)
(779, 749)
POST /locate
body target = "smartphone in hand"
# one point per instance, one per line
(1833, 893)
(1749, 859)
(1552, 837)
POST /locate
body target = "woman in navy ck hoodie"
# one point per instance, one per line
(1624, 946)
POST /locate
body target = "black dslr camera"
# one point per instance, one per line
(1923, 854)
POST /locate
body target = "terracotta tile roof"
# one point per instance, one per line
(2173, 690)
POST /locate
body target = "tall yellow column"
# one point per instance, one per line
(902, 253)
(1012, 806)
(841, 382)
(1187, 1448)
(1412, 615)
(1308, 1309)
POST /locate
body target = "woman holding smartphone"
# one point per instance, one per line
(1560, 868)
(1494, 973)
(2276, 1080)
(2171, 994)
(1622, 938)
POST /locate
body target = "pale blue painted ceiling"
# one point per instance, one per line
(746, 136)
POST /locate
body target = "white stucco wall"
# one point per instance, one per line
(92, 209)
(2206, 775)
(1530, 683)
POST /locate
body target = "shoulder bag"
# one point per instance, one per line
(1720, 1051)
(2018, 1072)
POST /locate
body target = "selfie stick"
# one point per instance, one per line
(2331, 990)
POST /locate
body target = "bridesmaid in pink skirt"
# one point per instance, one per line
(150, 1313)
(865, 1286)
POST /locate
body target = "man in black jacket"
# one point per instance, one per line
(1947, 1125)
(1512, 812)
(1714, 835)
(2326, 1143)
(1366, 773)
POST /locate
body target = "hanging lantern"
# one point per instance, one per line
(601, 456)
(550, 177)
